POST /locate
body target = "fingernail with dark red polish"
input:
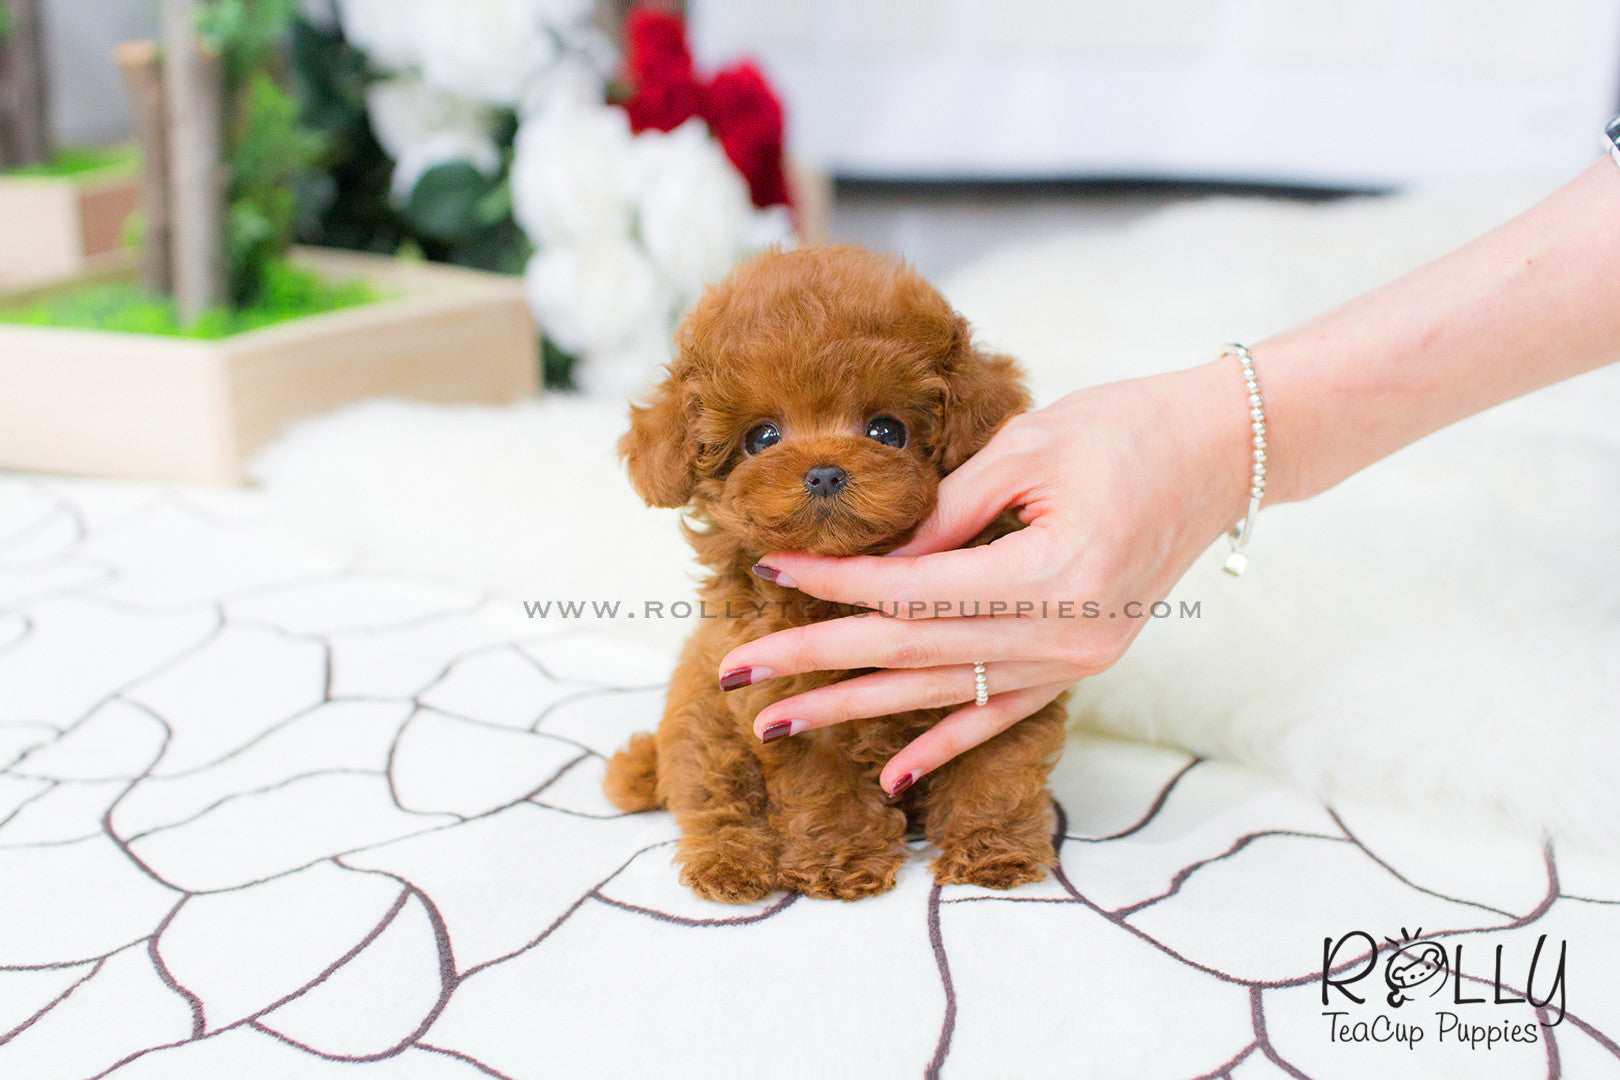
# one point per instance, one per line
(740, 677)
(904, 782)
(777, 730)
(771, 573)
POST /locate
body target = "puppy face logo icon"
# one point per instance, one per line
(1412, 964)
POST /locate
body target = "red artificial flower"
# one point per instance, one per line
(738, 104)
(745, 115)
(664, 91)
(655, 41)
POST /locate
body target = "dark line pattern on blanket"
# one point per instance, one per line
(947, 1027)
(185, 825)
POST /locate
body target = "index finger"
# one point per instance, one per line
(968, 500)
(985, 573)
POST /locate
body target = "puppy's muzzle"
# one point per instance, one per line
(825, 481)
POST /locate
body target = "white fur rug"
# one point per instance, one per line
(1442, 631)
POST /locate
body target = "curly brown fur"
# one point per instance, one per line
(631, 783)
(819, 342)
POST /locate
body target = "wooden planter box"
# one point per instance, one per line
(53, 228)
(156, 408)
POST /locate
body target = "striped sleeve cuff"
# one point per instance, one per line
(1613, 133)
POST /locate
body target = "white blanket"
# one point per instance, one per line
(264, 815)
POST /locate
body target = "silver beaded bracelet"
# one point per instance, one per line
(1237, 561)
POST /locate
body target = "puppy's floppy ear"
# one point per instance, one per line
(660, 450)
(982, 392)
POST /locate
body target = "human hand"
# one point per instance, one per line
(1121, 487)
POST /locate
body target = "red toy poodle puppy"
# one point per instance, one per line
(816, 400)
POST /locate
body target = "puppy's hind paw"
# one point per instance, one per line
(987, 860)
(733, 866)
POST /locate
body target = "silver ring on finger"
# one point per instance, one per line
(981, 688)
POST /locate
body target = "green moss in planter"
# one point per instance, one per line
(80, 162)
(288, 293)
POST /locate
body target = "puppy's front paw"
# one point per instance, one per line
(840, 875)
(992, 859)
(734, 865)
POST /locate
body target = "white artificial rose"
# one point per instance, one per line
(598, 296)
(564, 14)
(589, 43)
(486, 50)
(387, 31)
(693, 208)
(572, 80)
(572, 173)
(421, 127)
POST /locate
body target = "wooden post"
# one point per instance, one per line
(25, 137)
(193, 88)
(143, 82)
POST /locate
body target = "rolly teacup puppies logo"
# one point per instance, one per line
(1416, 969)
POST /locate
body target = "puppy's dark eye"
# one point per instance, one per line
(886, 430)
(761, 437)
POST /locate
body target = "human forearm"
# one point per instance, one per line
(1528, 304)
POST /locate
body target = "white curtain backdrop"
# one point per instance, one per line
(1373, 93)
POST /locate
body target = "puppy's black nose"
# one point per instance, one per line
(825, 480)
